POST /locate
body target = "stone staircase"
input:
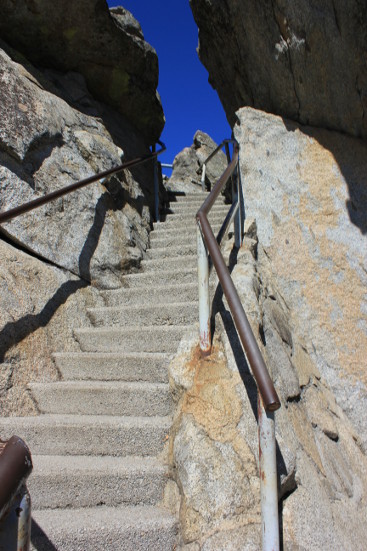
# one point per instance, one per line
(98, 445)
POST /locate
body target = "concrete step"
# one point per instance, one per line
(191, 208)
(183, 249)
(184, 235)
(181, 221)
(88, 481)
(160, 278)
(158, 295)
(170, 263)
(102, 398)
(198, 196)
(109, 366)
(152, 314)
(89, 434)
(129, 339)
(104, 528)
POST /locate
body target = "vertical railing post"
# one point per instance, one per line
(204, 303)
(203, 174)
(268, 479)
(15, 526)
(156, 187)
(226, 147)
(24, 526)
(236, 197)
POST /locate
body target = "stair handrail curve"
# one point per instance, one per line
(264, 382)
(268, 400)
(35, 203)
(225, 143)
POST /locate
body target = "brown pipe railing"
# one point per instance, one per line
(264, 383)
(15, 467)
(35, 203)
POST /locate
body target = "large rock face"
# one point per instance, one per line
(108, 49)
(299, 59)
(47, 143)
(306, 189)
(214, 444)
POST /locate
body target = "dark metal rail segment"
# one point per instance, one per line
(265, 384)
(35, 203)
(15, 466)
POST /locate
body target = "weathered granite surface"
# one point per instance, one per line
(40, 305)
(214, 444)
(300, 59)
(53, 133)
(107, 48)
(306, 188)
(187, 165)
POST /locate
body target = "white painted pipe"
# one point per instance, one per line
(15, 525)
(204, 303)
(156, 191)
(203, 173)
(268, 479)
(24, 526)
(238, 221)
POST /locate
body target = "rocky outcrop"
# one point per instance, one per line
(297, 59)
(305, 188)
(40, 305)
(108, 49)
(47, 142)
(187, 165)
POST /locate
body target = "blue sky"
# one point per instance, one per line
(188, 100)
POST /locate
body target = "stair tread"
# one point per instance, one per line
(173, 305)
(170, 260)
(97, 518)
(112, 355)
(85, 420)
(73, 464)
(131, 329)
(100, 385)
(144, 274)
(157, 288)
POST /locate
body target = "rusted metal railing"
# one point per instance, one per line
(27, 207)
(15, 501)
(268, 400)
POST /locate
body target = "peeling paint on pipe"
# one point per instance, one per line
(204, 303)
(268, 479)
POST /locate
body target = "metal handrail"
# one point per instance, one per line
(268, 393)
(268, 400)
(35, 203)
(15, 501)
(224, 143)
(15, 466)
